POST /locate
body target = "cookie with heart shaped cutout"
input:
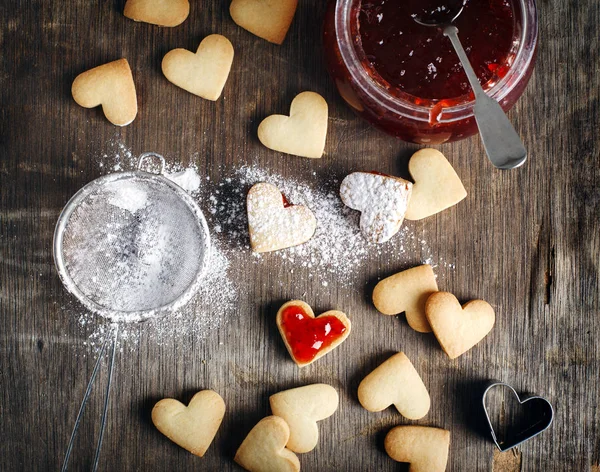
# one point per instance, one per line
(192, 427)
(110, 85)
(407, 291)
(274, 223)
(303, 132)
(301, 408)
(264, 448)
(158, 12)
(381, 199)
(437, 185)
(423, 447)
(267, 19)
(458, 328)
(204, 73)
(395, 382)
(306, 337)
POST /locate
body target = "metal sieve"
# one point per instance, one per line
(130, 246)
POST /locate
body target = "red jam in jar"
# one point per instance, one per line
(305, 335)
(406, 78)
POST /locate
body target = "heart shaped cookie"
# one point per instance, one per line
(264, 448)
(204, 73)
(425, 448)
(395, 382)
(458, 328)
(308, 338)
(407, 291)
(275, 224)
(110, 85)
(267, 19)
(303, 133)
(382, 201)
(192, 427)
(301, 408)
(436, 187)
(158, 12)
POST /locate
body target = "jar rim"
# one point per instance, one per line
(376, 92)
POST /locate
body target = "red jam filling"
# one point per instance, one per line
(307, 336)
(419, 60)
(286, 202)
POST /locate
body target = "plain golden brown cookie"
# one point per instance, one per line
(264, 450)
(301, 408)
(203, 73)
(458, 328)
(267, 19)
(273, 225)
(424, 448)
(192, 427)
(110, 85)
(395, 382)
(158, 12)
(303, 132)
(407, 291)
(437, 185)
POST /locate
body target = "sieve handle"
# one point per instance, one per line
(144, 157)
(87, 396)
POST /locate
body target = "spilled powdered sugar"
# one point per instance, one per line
(335, 254)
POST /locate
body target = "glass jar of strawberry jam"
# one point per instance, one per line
(406, 79)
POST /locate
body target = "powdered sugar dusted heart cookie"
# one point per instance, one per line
(382, 201)
(458, 328)
(437, 185)
(396, 382)
(303, 133)
(267, 19)
(158, 12)
(308, 338)
(204, 73)
(264, 450)
(301, 408)
(110, 85)
(407, 291)
(424, 448)
(275, 224)
(192, 427)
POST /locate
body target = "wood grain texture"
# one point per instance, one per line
(527, 241)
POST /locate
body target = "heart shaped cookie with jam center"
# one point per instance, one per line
(204, 73)
(267, 19)
(158, 12)
(264, 448)
(424, 448)
(382, 201)
(303, 133)
(395, 382)
(110, 85)
(192, 427)
(437, 185)
(407, 291)
(458, 328)
(306, 337)
(274, 223)
(301, 408)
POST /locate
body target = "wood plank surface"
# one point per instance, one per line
(527, 241)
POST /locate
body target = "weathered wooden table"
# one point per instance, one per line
(527, 241)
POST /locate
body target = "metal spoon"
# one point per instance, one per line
(502, 144)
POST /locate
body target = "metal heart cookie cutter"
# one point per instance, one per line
(538, 419)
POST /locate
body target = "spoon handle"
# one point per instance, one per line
(502, 144)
